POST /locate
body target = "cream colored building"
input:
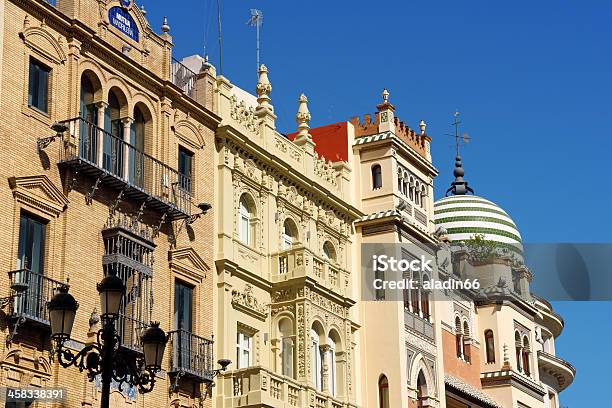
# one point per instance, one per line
(498, 341)
(492, 347)
(115, 184)
(285, 270)
(396, 189)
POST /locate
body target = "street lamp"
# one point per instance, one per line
(103, 357)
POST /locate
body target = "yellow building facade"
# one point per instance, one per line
(107, 159)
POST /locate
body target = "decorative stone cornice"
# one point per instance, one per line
(246, 302)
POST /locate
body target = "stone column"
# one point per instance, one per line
(325, 364)
(275, 347)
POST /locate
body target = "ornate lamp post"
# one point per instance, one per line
(104, 357)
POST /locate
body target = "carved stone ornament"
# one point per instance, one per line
(246, 302)
(243, 114)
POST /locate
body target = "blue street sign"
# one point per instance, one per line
(121, 20)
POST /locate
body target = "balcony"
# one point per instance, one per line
(556, 367)
(257, 386)
(300, 262)
(112, 162)
(31, 304)
(192, 356)
(184, 78)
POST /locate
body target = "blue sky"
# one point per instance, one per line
(530, 78)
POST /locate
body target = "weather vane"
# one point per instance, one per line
(465, 138)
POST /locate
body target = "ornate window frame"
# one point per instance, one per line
(37, 195)
(42, 45)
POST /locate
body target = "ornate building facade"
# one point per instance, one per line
(491, 347)
(112, 150)
(285, 281)
(498, 341)
(107, 156)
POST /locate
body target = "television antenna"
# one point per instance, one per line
(256, 21)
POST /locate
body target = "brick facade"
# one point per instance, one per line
(35, 183)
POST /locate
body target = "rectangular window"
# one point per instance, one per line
(183, 348)
(183, 301)
(38, 89)
(332, 371)
(244, 347)
(31, 244)
(30, 262)
(185, 168)
(287, 356)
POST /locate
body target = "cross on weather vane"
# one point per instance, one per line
(256, 21)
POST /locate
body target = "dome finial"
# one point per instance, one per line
(459, 186)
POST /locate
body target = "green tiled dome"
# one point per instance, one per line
(464, 216)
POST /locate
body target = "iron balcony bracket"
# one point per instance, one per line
(72, 182)
(113, 207)
(89, 196)
(9, 337)
(141, 209)
(157, 228)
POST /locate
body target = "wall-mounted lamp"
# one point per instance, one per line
(204, 208)
(43, 142)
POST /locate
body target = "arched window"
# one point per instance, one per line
(316, 360)
(112, 158)
(245, 220)
(490, 346)
(136, 149)
(329, 252)
(422, 391)
(466, 338)
(331, 363)
(546, 346)
(518, 346)
(290, 234)
(383, 392)
(414, 294)
(458, 337)
(376, 177)
(425, 300)
(526, 349)
(411, 190)
(88, 140)
(423, 195)
(285, 327)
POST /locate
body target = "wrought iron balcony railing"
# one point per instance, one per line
(184, 78)
(192, 356)
(113, 162)
(32, 291)
(129, 331)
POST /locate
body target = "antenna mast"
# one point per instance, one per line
(257, 21)
(220, 44)
(456, 123)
